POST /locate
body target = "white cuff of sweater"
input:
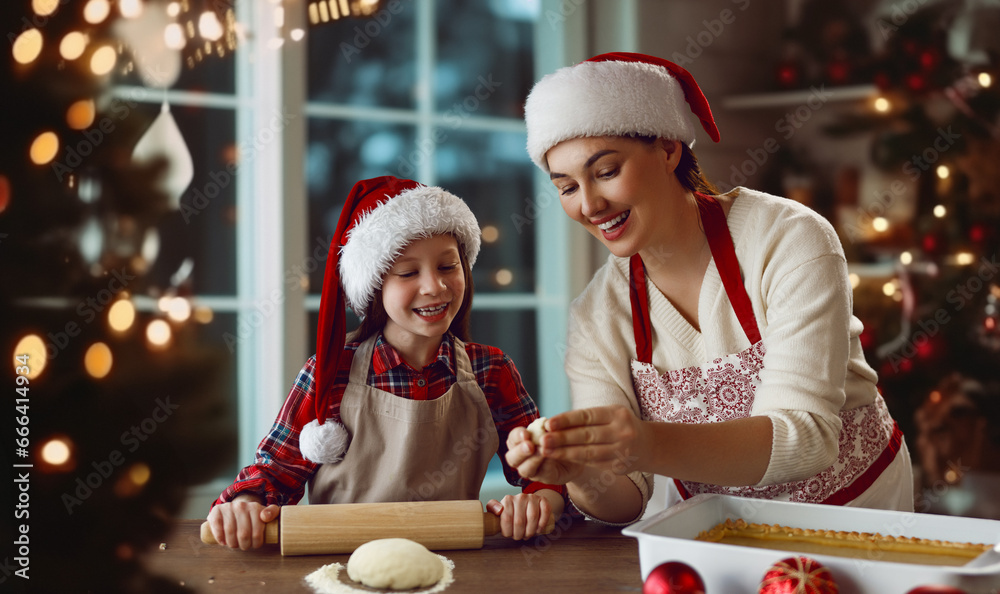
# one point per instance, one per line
(802, 445)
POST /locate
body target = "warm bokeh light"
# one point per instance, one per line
(163, 303)
(934, 397)
(906, 258)
(121, 315)
(855, 279)
(880, 224)
(890, 288)
(56, 451)
(33, 354)
(130, 9)
(203, 315)
(173, 9)
(133, 480)
(940, 211)
(27, 46)
(103, 61)
(209, 26)
(44, 7)
(81, 114)
(97, 360)
(882, 105)
(943, 171)
(158, 333)
(297, 34)
(44, 148)
(179, 309)
(985, 80)
(503, 277)
(72, 45)
(964, 258)
(173, 36)
(490, 233)
(96, 11)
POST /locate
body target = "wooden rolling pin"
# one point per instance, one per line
(321, 529)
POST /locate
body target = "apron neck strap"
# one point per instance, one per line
(723, 252)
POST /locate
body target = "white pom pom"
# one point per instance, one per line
(324, 444)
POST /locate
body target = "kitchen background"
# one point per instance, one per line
(170, 173)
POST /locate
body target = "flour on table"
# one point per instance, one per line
(326, 579)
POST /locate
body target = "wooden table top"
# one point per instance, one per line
(577, 557)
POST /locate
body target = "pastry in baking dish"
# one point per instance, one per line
(858, 545)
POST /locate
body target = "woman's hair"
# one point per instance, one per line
(688, 171)
(376, 316)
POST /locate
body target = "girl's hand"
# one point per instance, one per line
(523, 456)
(605, 438)
(522, 516)
(240, 523)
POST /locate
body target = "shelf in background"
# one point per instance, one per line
(799, 96)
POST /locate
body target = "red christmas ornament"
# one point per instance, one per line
(673, 577)
(798, 575)
(787, 75)
(932, 589)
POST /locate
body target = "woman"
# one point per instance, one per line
(717, 345)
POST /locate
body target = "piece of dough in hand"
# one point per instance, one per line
(395, 563)
(537, 429)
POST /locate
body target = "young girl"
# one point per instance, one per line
(405, 410)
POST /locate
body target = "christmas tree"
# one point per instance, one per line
(117, 408)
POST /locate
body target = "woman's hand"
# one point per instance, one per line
(240, 523)
(604, 438)
(522, 516)
(522, 455)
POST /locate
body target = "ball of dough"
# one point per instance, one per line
(395, 563)
(537, 429)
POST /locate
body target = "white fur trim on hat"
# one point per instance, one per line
(380, 236)
(324, 444)
(610, 98)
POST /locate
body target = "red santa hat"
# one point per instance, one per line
(380, 218)
(615, 94)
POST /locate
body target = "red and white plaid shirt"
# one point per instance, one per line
(280, 473)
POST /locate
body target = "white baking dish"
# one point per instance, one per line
(730, 569)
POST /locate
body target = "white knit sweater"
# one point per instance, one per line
(795, 273)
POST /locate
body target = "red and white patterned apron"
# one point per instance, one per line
(724, 388)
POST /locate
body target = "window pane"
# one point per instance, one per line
(484, 54)
(513, 332)
(341, 153)
(492, 173)
(204, 228)
(365, 61)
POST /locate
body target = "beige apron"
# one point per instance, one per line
(724, 389)
(409, 450)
